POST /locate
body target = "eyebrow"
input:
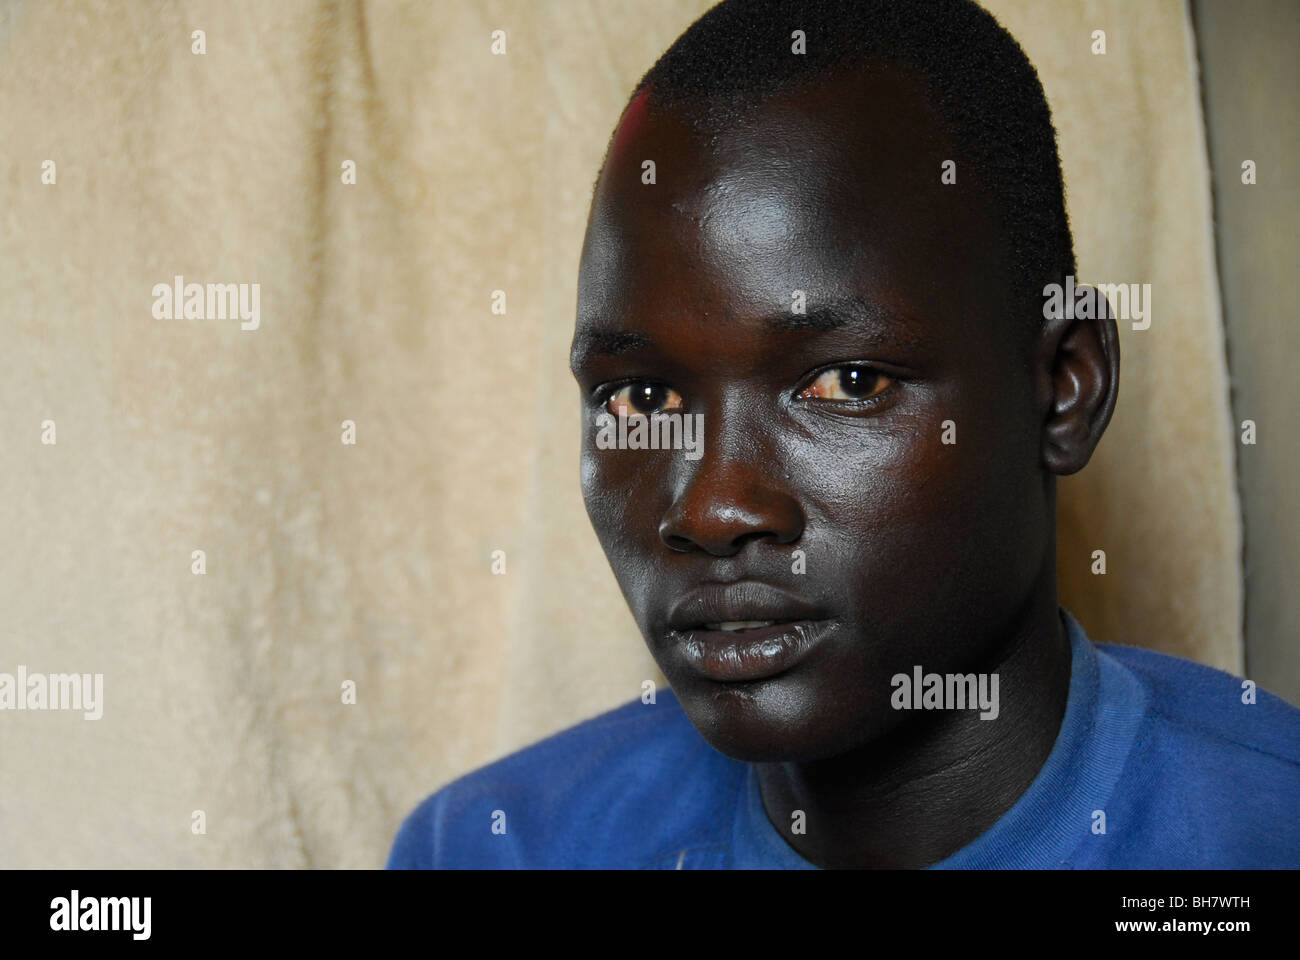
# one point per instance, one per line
(590, 342)
(881, 325)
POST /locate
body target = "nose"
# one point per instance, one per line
(727, 503)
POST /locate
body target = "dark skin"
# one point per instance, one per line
(823, 434)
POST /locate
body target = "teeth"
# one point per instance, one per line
(739, 624)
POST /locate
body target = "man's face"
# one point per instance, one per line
(826, 499)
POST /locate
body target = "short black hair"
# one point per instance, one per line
(739, 54)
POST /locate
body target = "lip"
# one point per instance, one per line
(748, 655)
(739, 600)
(740, 656)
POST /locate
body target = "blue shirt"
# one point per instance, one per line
(1187, 775)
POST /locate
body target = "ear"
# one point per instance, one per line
(1076, 370)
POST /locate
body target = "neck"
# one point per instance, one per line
(943, 778)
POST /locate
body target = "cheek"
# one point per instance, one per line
(920, 528)
(606, 508)
(623, 494)
(616, 487)
(880, 485)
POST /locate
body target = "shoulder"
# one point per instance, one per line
(1201, 703)
(594, 794)
(1214, 768)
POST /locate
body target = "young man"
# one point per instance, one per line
(837, 255)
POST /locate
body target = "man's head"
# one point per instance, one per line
(884, 406)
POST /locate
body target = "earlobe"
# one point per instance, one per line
(1078, 371)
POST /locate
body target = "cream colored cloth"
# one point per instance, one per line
(371, 563)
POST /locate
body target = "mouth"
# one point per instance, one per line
(743, 631)
(738, 606)
(739, 626)
(745, 651)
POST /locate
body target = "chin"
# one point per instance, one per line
(764, 722)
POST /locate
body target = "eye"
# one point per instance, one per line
(851, 382)
(643, 397)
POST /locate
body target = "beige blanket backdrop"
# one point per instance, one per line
(371, 563)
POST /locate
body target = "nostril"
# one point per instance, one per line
(742, 540)
(674, 542)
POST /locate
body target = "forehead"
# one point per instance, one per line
(835, 190)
